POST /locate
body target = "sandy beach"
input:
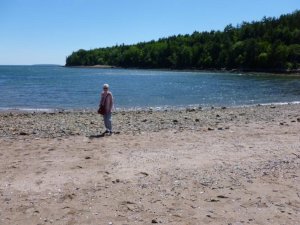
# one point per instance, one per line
(182, 167)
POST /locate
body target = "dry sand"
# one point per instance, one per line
(211, 166)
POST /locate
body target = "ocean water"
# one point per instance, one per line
(56, 87)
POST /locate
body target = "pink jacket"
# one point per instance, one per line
(107, 101)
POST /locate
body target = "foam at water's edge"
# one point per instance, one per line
(155, 108)
(281, 103)
(26, 110)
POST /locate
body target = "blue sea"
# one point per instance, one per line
(56, 87)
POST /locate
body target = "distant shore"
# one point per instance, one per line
(93, 67)
(247, 71)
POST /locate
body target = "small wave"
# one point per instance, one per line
(4, 109)
(281, 103)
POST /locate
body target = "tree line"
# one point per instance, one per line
(270, 44)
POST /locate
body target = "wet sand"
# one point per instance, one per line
(193, 166)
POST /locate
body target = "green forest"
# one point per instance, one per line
(272, 44)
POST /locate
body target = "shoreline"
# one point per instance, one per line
(89, 123)
(212, 70)
(93, 67)
(135, 109)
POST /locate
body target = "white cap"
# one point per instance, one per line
(105, 86)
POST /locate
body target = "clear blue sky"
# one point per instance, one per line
(46, 31)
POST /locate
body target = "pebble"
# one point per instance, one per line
(190, 110)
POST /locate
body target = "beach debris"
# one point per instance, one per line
(190, 110)
(298, 156)
(210, 128)
(197, 120)
(131, 206)
(66, 197)
(116, 181)
(175, 121)
(127, 203)
(7, 199)
(23, 133)
(87, 157)
(222, 196)
(212, 200)
(154, 221)
(144, 173)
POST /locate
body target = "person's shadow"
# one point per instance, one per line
(102, 135)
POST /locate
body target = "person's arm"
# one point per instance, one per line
(111, 102)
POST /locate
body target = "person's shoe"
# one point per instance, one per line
(106, 132)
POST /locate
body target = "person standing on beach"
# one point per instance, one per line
(107, 102)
